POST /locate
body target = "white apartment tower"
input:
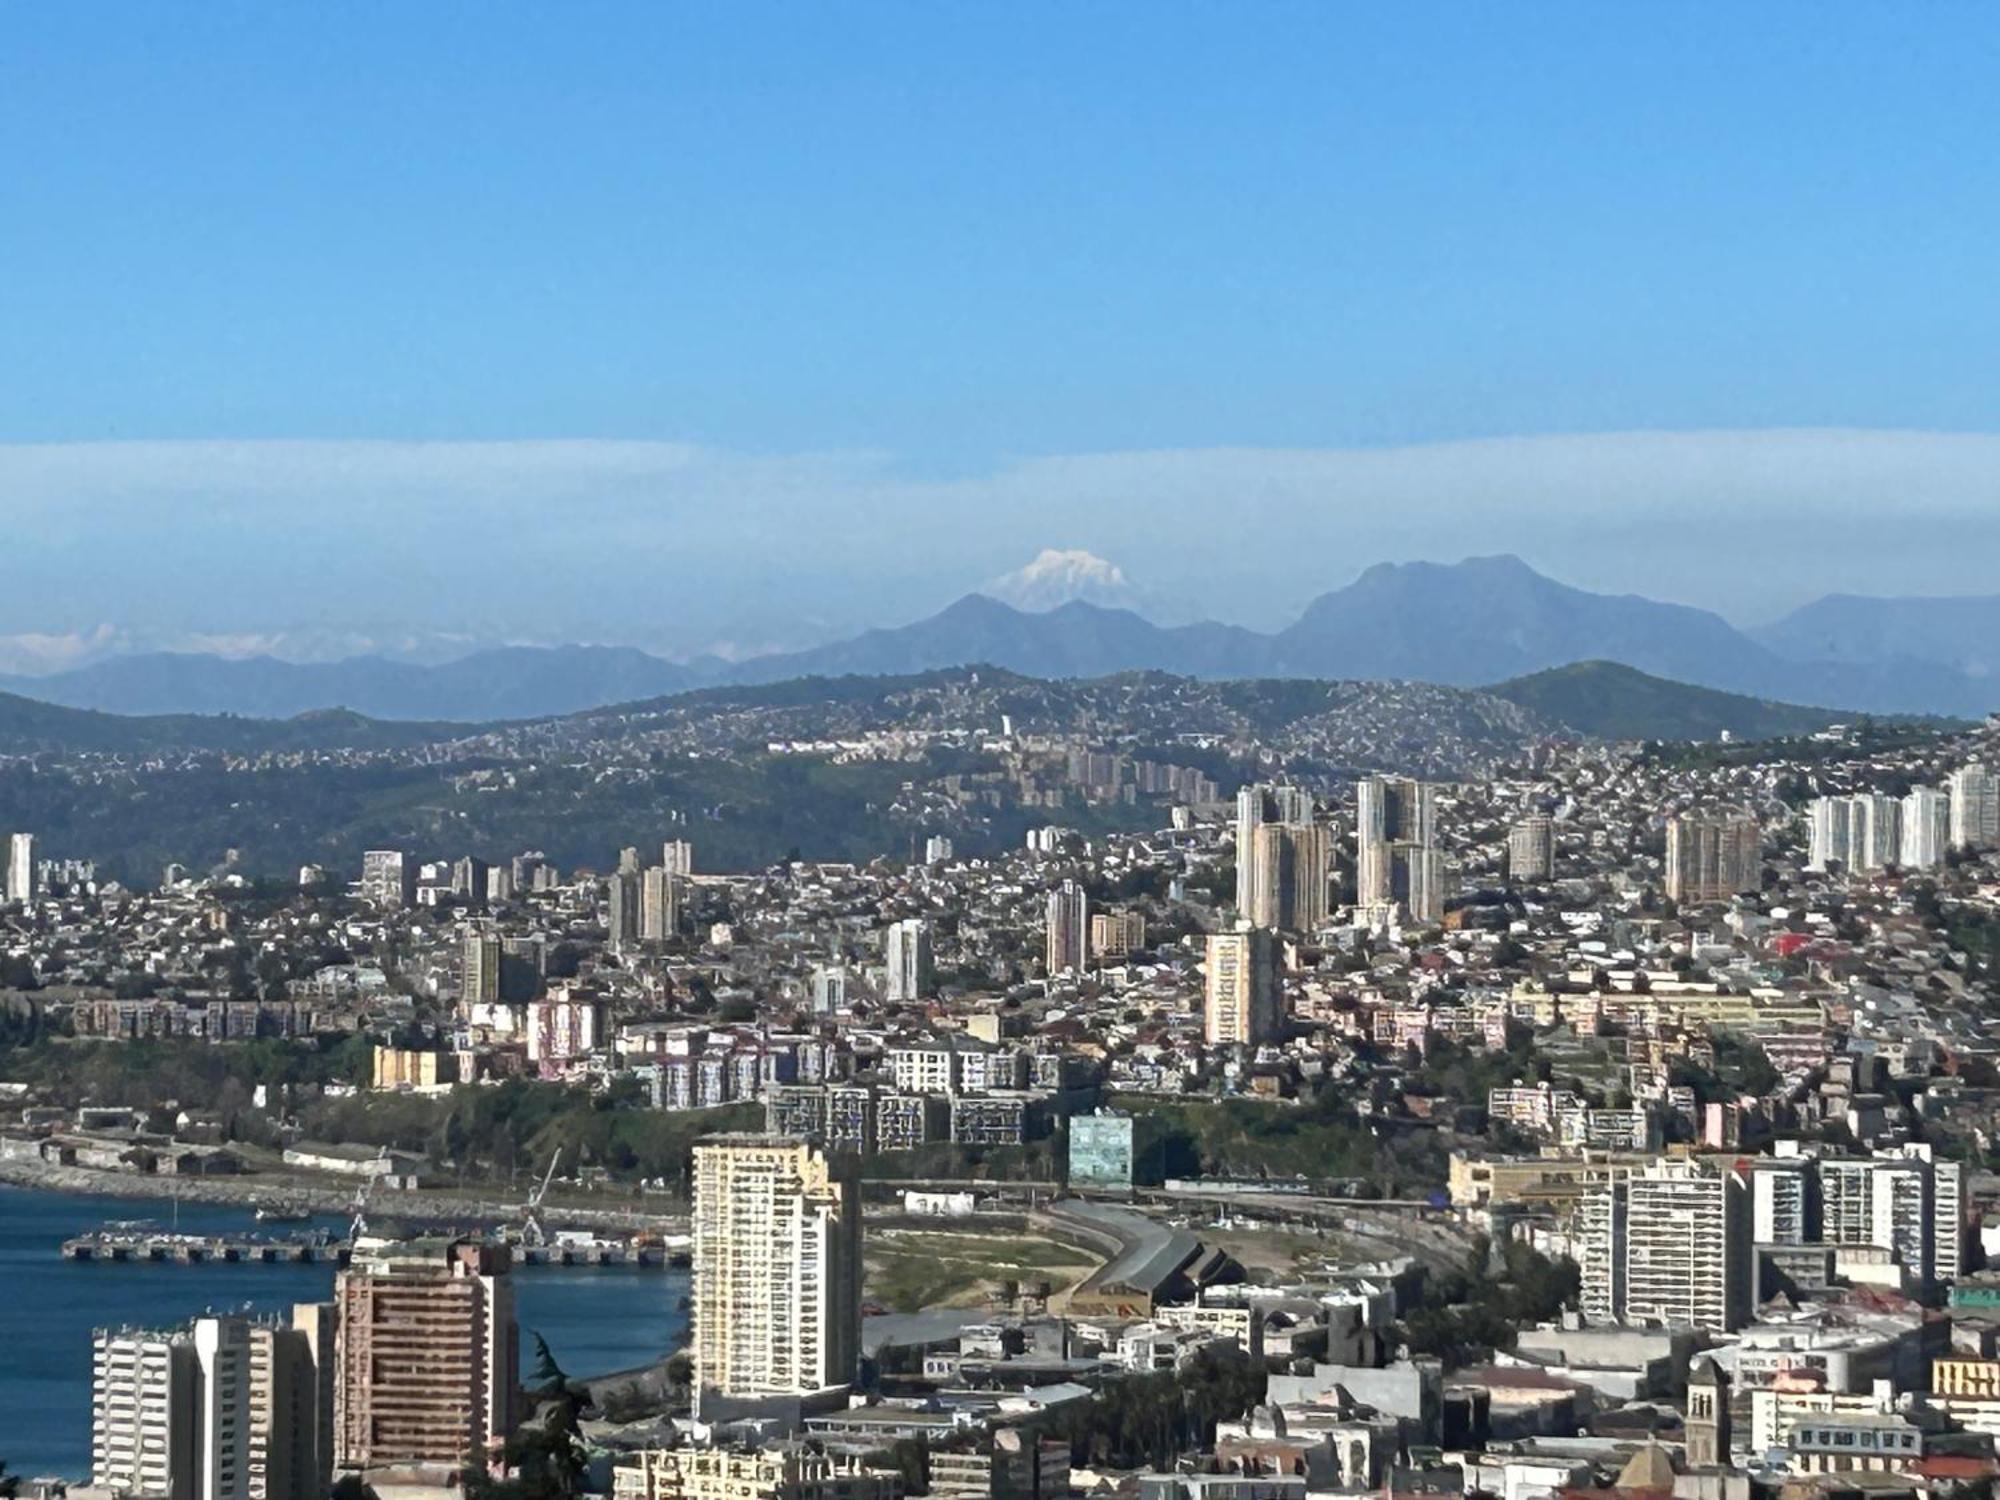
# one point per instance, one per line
(1975, 807)
(21, 867)
(1875, 831)
(227, 1409)
(222, 1429)
(1831, 822)
(906, 950)
(1784, 1201)
(144, 1386)
(777, 1276)
(1669, 1247)
(1601, 1218)
(1926, 828)
(1905, 1200)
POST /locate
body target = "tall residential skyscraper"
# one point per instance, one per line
(659, 905)
(143, 1428)
(1975, 807)
(1863, 833)
(1249, 818)
(1419, 881)
(1669, 1247)
(1258, 805)
(1068, 929)
(1831, 839)
(1395, 847)
(219, 1410)
(388, 879)
(317, 1325)
(1784, 1201)
(677, 856)
(1293, 871)
(1712, 854)
(1875, 832)
(1240, 988)
(284, 1438)
(1601, 1219)
(1926, 819)
(622, 912)
(479, 968)
(906, 949)
(428, 1350)
(1392, 809)
(21, 867)
(468, 878)
(222, 1408)
(777, 1275)
(1531, 848)
(1905, 1200)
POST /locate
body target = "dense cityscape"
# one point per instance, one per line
(1048, 751)
(1614, 1118)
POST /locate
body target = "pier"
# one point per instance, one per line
(129, 1246)
(196, 1250)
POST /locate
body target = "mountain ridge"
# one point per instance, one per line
(1602, 700)
(1482, 620)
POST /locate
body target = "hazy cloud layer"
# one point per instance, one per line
(257, 545)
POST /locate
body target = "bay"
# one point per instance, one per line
(595, 1319)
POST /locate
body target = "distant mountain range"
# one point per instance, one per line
(1482, 621)
(1600, 700)
(512, 682)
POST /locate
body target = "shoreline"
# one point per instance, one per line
(320, 1195)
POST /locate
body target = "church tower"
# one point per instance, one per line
(1707, 1423)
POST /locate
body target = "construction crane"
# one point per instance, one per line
(533, 1231)
(358, 1224)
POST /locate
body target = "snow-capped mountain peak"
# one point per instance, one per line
(1057, 576)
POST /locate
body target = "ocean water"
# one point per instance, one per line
(596, 1320)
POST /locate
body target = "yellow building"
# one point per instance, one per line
(411, 1068)
(1975, 1378)
(1555, 1180)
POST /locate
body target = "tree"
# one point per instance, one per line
(547, 1451)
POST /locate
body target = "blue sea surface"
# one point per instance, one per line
(596, 1319)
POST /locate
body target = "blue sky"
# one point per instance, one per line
(942, 245)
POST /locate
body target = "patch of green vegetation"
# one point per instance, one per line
(753, 810)
(1610, 701)
(149, 1072)
(1148, 1419)
(1320, 1139)
(28, 725)
(1466, 1315)
(1039, 1161)
(489, 1133)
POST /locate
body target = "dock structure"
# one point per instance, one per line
(196, 1250)
(123, 1246)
